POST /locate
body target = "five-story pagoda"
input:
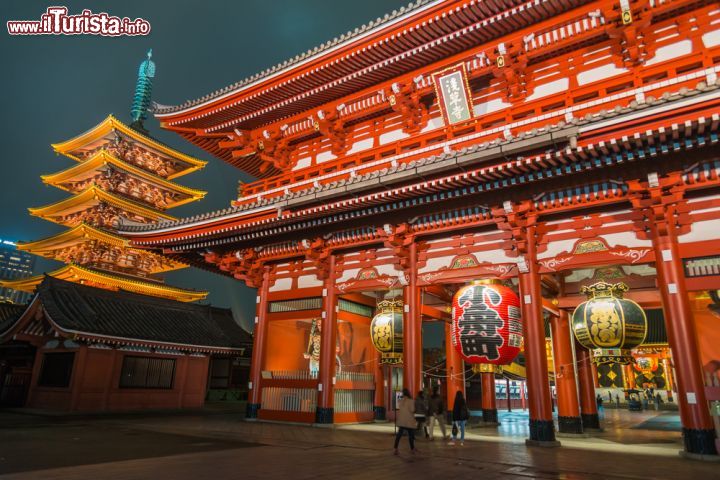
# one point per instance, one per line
(122, 175)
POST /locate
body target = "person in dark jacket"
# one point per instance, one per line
(421, 407)
(436, 413)
(460, 417)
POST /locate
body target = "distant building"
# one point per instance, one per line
(14, 264)
(82, 348)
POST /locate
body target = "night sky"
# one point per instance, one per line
(56, 87)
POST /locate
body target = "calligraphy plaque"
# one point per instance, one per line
(453, 94)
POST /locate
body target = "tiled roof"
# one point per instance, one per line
(9, 313)
(342, 39)
(94, 312)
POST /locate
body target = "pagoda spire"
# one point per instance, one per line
(143, 93)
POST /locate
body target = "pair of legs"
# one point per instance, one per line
(422, 426)
(461, 427)
(441, 421)
(411, 437)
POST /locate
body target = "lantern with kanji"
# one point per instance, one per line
(609, 324)
(486, 325)
(386, 331)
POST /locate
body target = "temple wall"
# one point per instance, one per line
(96, 378)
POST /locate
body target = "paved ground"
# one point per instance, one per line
(219, 444)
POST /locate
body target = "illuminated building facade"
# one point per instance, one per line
(14, 264)
(548, 144)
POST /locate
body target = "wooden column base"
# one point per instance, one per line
(590, 420)
(699, 441)
(490, 415)
(542, 430)
(324, 415)
(570, 425)
(380, 413)
(251, 410)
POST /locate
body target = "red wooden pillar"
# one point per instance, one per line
(542, 428)
(588, 405)
(379, 397)
(115, 367)
(629, 376)
(258, 353)
(181, 378)
(489, 404)
(698, 429)
(328, 350)
(455, 369)
(78, 376)
(412, 329)
(595, 376)
(522, 395)
(568, 406)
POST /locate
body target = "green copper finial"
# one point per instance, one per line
(143, 91)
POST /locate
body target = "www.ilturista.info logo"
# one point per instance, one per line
(56, 21)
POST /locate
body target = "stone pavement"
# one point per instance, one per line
(221, 445)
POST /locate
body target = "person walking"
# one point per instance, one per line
(600, 409)
(460, 417)
(405, 419)
(421, 410)
(436, 413)
(617, 401)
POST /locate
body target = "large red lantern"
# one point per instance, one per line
(486, 325)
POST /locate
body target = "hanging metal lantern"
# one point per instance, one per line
(609, 324)
(486, 325)
(386, 331)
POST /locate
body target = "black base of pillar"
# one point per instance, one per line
(379, 413)
(490, 416)
(590, 420)
(542, 430)
(324, 415)
(251, 410)
(570, 425)
(699, 441)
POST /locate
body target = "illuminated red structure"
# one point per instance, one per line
(548, 143)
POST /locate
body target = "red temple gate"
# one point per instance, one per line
(547, 144)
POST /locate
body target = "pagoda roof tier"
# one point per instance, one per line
(102, 159)
(84, 233)
(107, 129)
(105, 318)
(91, 197)
(108, 281)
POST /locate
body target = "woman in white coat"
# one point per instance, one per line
(406, 421)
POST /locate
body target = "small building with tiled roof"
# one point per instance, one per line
(80, 348)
